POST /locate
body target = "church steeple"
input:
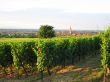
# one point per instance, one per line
(70, 30)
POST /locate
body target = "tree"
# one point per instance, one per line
(46, 31)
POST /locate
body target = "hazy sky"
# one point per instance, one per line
(80, 14)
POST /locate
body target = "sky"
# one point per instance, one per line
(79, 14)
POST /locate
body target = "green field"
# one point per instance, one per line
(34, 39)
(59, 59)
(17, 39)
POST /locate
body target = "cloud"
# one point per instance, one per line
(59, 13)
(83, 6)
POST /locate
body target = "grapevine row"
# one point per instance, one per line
(46, 53)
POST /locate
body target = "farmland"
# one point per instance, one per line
(73, 58)
(31, 56)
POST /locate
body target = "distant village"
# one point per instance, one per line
(71, 32)
(32, 33)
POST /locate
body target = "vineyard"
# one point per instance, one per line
(25, 57)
